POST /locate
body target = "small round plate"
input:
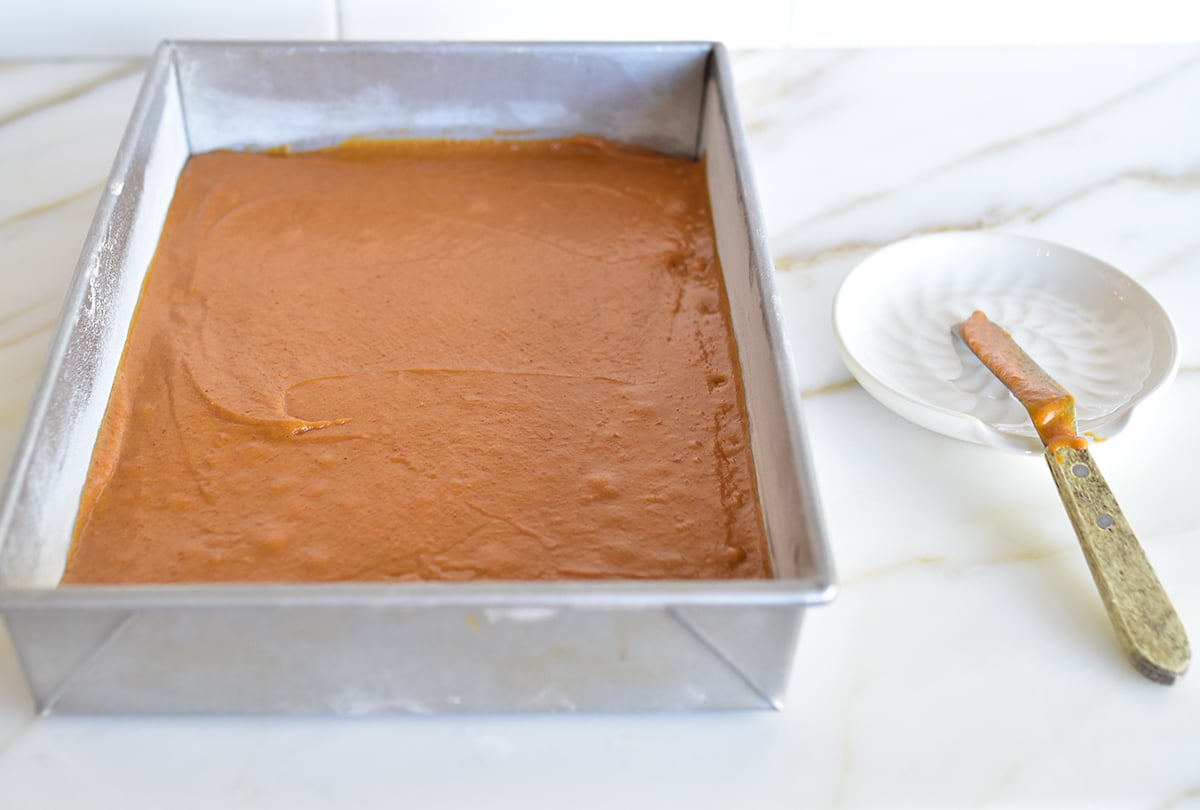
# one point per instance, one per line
(1086, 323)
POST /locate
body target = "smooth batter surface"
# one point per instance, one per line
(427, 361)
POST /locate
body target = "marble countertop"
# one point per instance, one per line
(967, 662)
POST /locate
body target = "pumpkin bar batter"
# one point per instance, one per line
(427, 361)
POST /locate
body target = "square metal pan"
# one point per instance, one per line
(435, 647)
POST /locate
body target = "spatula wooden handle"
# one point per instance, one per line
(1143, 617)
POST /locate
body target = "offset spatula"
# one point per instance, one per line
(1142, 615)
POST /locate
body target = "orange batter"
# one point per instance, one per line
(1050, 406)
(428, 361)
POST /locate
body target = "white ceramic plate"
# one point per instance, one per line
(1086, 323)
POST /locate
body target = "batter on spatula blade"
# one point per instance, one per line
(1142, 615)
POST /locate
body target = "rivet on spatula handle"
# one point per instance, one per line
(1146, 623)
(1141, 613)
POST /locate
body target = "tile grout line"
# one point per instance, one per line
(339, 28)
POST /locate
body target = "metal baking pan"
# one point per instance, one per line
(431, 647)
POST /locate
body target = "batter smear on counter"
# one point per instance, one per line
(428, 361)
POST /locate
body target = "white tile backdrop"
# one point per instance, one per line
(751, 23)
(80, 28)
(54, 28)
